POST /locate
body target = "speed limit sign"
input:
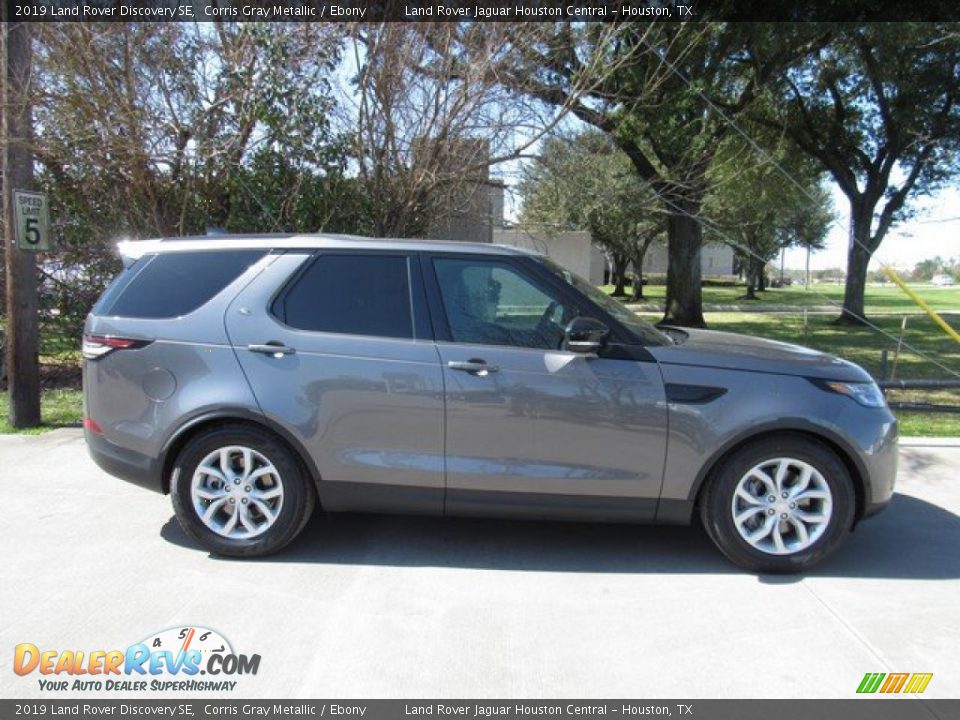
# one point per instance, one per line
(31, 218)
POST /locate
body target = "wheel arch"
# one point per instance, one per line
(858, 473)
(234, 416)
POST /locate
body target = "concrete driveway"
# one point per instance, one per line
(368, 606)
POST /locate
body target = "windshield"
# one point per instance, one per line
(646, 332)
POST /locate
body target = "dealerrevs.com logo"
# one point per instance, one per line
(170, 660)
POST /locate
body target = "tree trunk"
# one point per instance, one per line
(684, 291)
(620, 275)
(637, 286)
(22, 342)
(638, 257)
(760, 269)
(750, 273)
(858, 258)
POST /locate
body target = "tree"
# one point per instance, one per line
(168, 129)
(146, 124)
(761, 208)
(583, 181)
(660, 105)
(431, 117)
(926, 269)
(878, 107)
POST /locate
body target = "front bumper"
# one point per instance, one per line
(880, 457)
(123, 463)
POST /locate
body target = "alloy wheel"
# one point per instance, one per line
(237, 492)
(782, 506)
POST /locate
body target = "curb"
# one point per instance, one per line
(947, 442)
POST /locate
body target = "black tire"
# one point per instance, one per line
(299, 494)
(717, 516)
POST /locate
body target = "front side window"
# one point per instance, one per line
(493, 303)
(351, 294)
(644, 331)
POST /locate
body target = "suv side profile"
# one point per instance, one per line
(255, 379)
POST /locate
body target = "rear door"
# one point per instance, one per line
(533, 430)
(338, 351)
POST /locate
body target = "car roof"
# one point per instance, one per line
(137, 248)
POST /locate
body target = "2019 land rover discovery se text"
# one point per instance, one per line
(255, 379)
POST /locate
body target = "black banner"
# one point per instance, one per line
(872, 709)
(483, 10)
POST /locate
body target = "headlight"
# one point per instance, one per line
(867, 394)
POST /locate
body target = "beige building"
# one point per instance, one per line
(575, 251)
(474, 213)
(571, 249)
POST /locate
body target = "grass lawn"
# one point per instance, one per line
(878, 298)
(58, 408)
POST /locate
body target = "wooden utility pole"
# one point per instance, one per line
(23, 369)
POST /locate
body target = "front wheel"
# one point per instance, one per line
(240, 492)
(781, 504)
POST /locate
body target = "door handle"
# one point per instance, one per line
(277, 349)
(474, 366)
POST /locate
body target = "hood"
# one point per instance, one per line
(709, 348)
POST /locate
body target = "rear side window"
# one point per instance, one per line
(173, 284)
(351, 294)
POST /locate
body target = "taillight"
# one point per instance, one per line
(96, 346)
(92, 425)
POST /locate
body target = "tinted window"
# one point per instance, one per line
(353, 294)
(492, 303)
(174, 284)
(645, 332)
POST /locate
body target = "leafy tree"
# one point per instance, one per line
(586, 182)
(926, 269)
(659, 103)
(759, 211)
(147, 129)
(879, 107)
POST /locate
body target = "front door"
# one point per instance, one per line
(344, 361)
(531, 429)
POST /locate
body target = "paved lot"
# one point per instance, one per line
(367, 606)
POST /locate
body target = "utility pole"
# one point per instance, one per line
(22, 345)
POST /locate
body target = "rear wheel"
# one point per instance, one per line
(780, 504)
(240, 492)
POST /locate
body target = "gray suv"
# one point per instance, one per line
(257, 378)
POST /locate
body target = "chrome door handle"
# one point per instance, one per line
(278, 350)
(475, 367)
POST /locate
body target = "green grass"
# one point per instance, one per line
(878, 298)
(58, 408)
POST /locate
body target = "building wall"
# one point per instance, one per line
(715, 259)
(572, 249)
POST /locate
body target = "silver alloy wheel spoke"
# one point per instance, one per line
(207, 493)
(237, 492)
(268, 494)
(748, 513)
(782, 506)
(212, 508)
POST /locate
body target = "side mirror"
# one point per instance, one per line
(585, 335)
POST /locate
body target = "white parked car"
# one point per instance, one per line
(942, 280)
